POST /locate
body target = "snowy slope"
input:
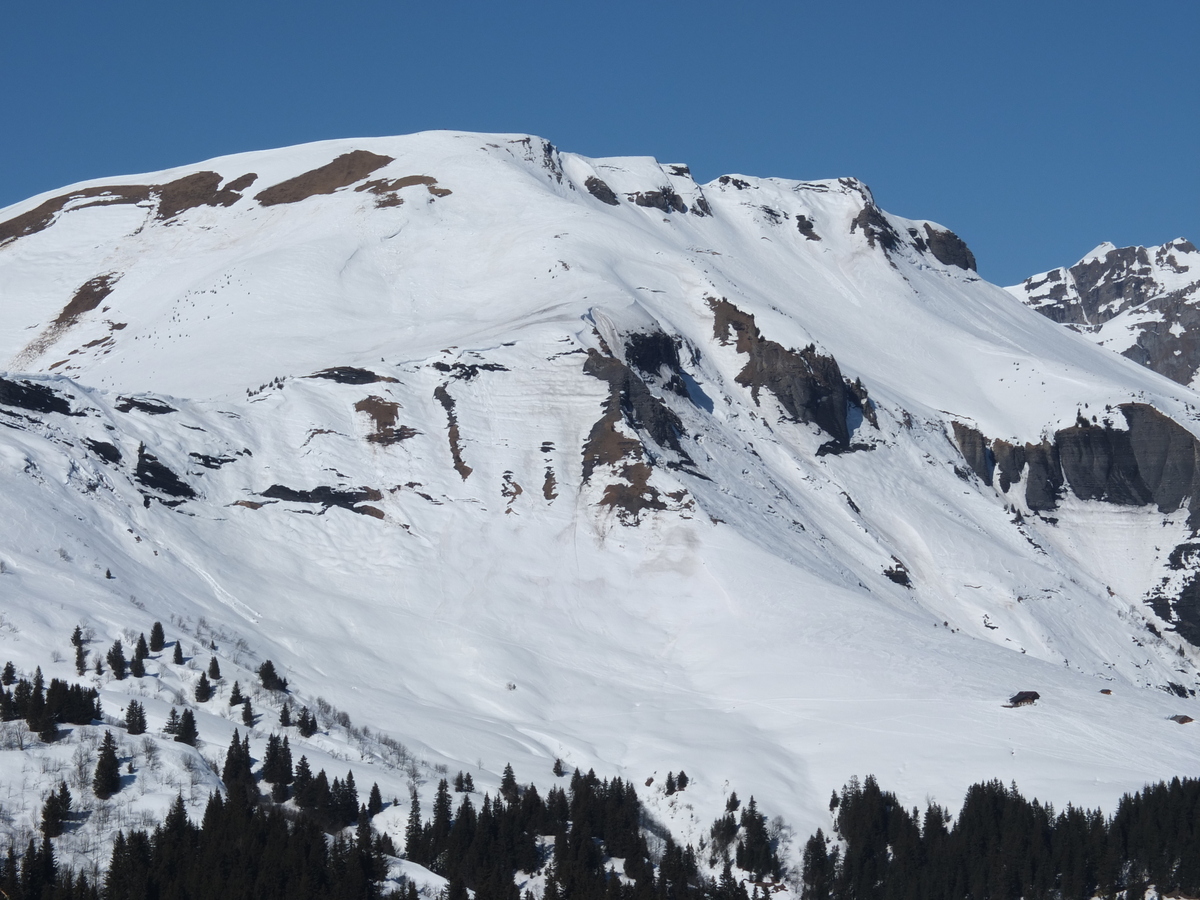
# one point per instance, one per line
(514, 454)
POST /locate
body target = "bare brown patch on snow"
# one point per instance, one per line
(443, 397)
(383, 414)
(342, 172)
(89, 295)
(200, 189)
(387, 191)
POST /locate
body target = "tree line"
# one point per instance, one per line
(1002, 846)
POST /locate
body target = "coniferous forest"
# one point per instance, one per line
(1003, 846)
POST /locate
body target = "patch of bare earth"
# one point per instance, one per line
(42, 216)
(342, 172)
(443, 397)
(200, 189)
(386, 191)
(89, 295)
(383, 415)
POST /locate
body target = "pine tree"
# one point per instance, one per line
(374, 802)
(414, 834)
(270, 678)
(157, 639)
(247, 713)
(55, 811)
(235, 695)
(140, 650)
(80, 660)
(458, 783)
(187, 729)
(508, 784)
(558, 770)
(681, 781)
(214, 669)
(107, 780)
(177, 657)
(172, 726)
(468, 784)
(116, 659)
(10, 674)
(137, 668)
(135, 718)
(670, 783)
(285, 715)
(203, 689)
(308, 723)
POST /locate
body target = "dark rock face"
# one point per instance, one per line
(664, 199)
(34, 397)
(601, 191)
(327, 497)
(350, 375)
(876, 228)
(629, 401)
(1044, 479)
(1154, 461)
(949, 249)
(974, 448)
(808, 385)
(110, 453)
(805, 226)
(153, 474)
(1010, 460)
(654, 354)
(150, 407)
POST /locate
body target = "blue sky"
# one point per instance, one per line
(1034, 130)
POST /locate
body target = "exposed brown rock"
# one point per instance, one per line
(342, 172)
(601, 191)
(383, 414)
(808, 385)
(974, 448)
(443, 397)
(199, 189)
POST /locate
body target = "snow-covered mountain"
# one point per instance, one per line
(1142, 302)
(512, 454)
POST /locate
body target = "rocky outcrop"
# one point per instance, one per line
(1155, 289)
(949, 249)
(807, 384)
(1154, 460)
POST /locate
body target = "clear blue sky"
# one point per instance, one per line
(1034, 130)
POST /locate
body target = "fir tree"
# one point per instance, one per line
(116, 659)
(458, 783)
(468, 783)
(214, 669)
(10, 674)
(135, 718)
(172, 726)
(187, 733)
(80, 660)
(107, 779)
(374, 801)
(670, 786)
(137, 668)
(247, 713)
(157, 639)
(77, 636)
(55, 811)
(414, 834)
(203, 689)
(140, 650)
(235, 695)
(285, 715)
(270, 678)
(177, 657)
(508, 784)
(558, 769)
(681, 781)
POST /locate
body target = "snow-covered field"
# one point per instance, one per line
(477, 596)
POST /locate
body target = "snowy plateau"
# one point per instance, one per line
(507, 455)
